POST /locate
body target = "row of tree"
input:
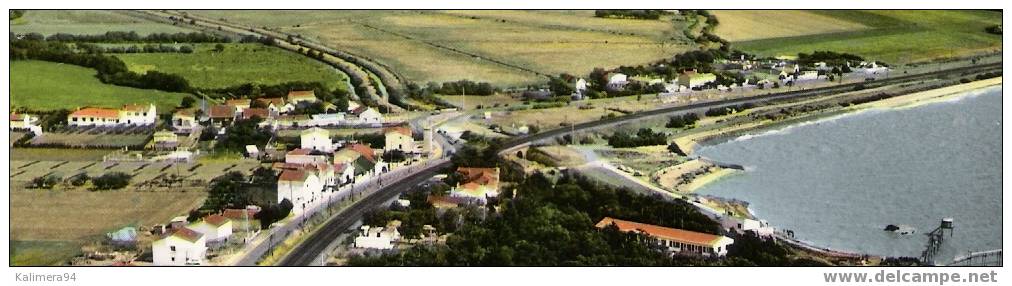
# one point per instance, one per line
(643, 137)
(132, 37)
(630, 14)
(134, 49)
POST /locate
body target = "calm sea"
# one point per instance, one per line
(838, 182)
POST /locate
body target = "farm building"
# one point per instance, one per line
(181, 247)
(478, 184)
(275, 104)
(617, 81)
(327, 119)
(164, 140)
(674, 240)
(25, 121)
(316, 139)
(130, 114)
(221, 115)
(399, 138)
(691, 79)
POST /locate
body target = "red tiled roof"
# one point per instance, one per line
(340, 167)
(258, 112)
(221, 111)
(96, 112)
(236, 214)
(187, 234)
(399, 129)
(481, 176)
(680, 235)
(216, 220)
(17, 117)
(300, 151)
(301, 94)
(293, 176)
(358, 110)
(364, 150)
(190, 112)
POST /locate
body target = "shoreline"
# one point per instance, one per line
(897, 102)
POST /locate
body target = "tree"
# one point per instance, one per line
(111, 181)
(265, 176)
(219, 48)
(228, 191)
(187, 102)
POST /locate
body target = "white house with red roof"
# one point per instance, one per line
(303, 188)
(216, 228)
(674, 240)
(183, 246)
(478, 184)
(130, 114)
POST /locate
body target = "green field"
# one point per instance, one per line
(893, 36)
(442, 46)
(237, 64)
(40, 85)
(48, 22)
(42, 253)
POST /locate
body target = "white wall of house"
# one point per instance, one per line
(370, 115)
(139, 117)
(305, 159)
(213, 233)
(376, 238)
(91, 121)
(399, 141)
(316, 139)
(175, 251)
(302, 194)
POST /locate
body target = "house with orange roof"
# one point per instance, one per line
(216, 228)
(674, 240)
(399, 138)
(478, 184)
(183, 246)
(239, 104)
(185, 120)
(130, 114)
(301, 187)
(300, 97)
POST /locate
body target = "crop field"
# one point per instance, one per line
(237, 64)
(744, 25)
(48, 22)
(57, 154)
(40, 252)
(505, 48)
(24, 170)
(40, 85)
(80, 215)
(893, 36)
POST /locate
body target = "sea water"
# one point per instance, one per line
(839, 182)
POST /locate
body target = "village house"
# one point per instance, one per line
(164, 140)
(378, 237)
(221, 115)
(693, 79)
(316, 139)
(305, 156)
(617, 81)
(261, 113)
(290, 121)
(185, 120)
(674, 240)
(478, 184)
(216, 228)
(361, 159)
(276, 105)
(241, 218)
(300, 187)
(182, 246)
(238, 104)
(302, 97)
(130, 114)
(399, 138)
(25, 121)
(366, 115)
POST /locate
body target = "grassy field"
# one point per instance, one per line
(451, 45)
(237, 64)
(893, 36)
(42, 253)
(744, 25)
(40, 85)
(48, 22)
(53, 154)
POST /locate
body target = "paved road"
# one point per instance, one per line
(310, 251)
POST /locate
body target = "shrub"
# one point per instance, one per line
(111, 181)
